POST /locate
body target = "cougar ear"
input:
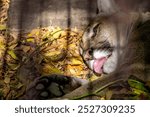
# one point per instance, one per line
(107, 6)
(95, 29)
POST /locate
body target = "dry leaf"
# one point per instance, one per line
(109, 95)
(12, 54)
(48, 69)
(7, 80)
(2, 27)
(26, 48)
(75, 61)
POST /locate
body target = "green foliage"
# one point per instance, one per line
(139, 89)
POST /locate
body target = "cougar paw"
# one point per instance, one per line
(47, 87)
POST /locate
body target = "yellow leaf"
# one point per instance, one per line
(75, 61)
(72, 46)
(2, 40)
(48, 69)
(56, 32)
(74, 70)
(34, 33)
(2, 27)
(30, 40)
(52, 53)
(46, 35)
(55, 55)
(2, 46)
(12, 54)
(57, 35)
(93, 77)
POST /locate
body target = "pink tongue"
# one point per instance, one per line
(98, 63)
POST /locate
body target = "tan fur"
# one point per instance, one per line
(118, 30)
(127, 33)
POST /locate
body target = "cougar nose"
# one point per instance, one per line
(88, 54)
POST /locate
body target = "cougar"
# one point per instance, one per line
(114, 44)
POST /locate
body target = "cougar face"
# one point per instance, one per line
(99, 46)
